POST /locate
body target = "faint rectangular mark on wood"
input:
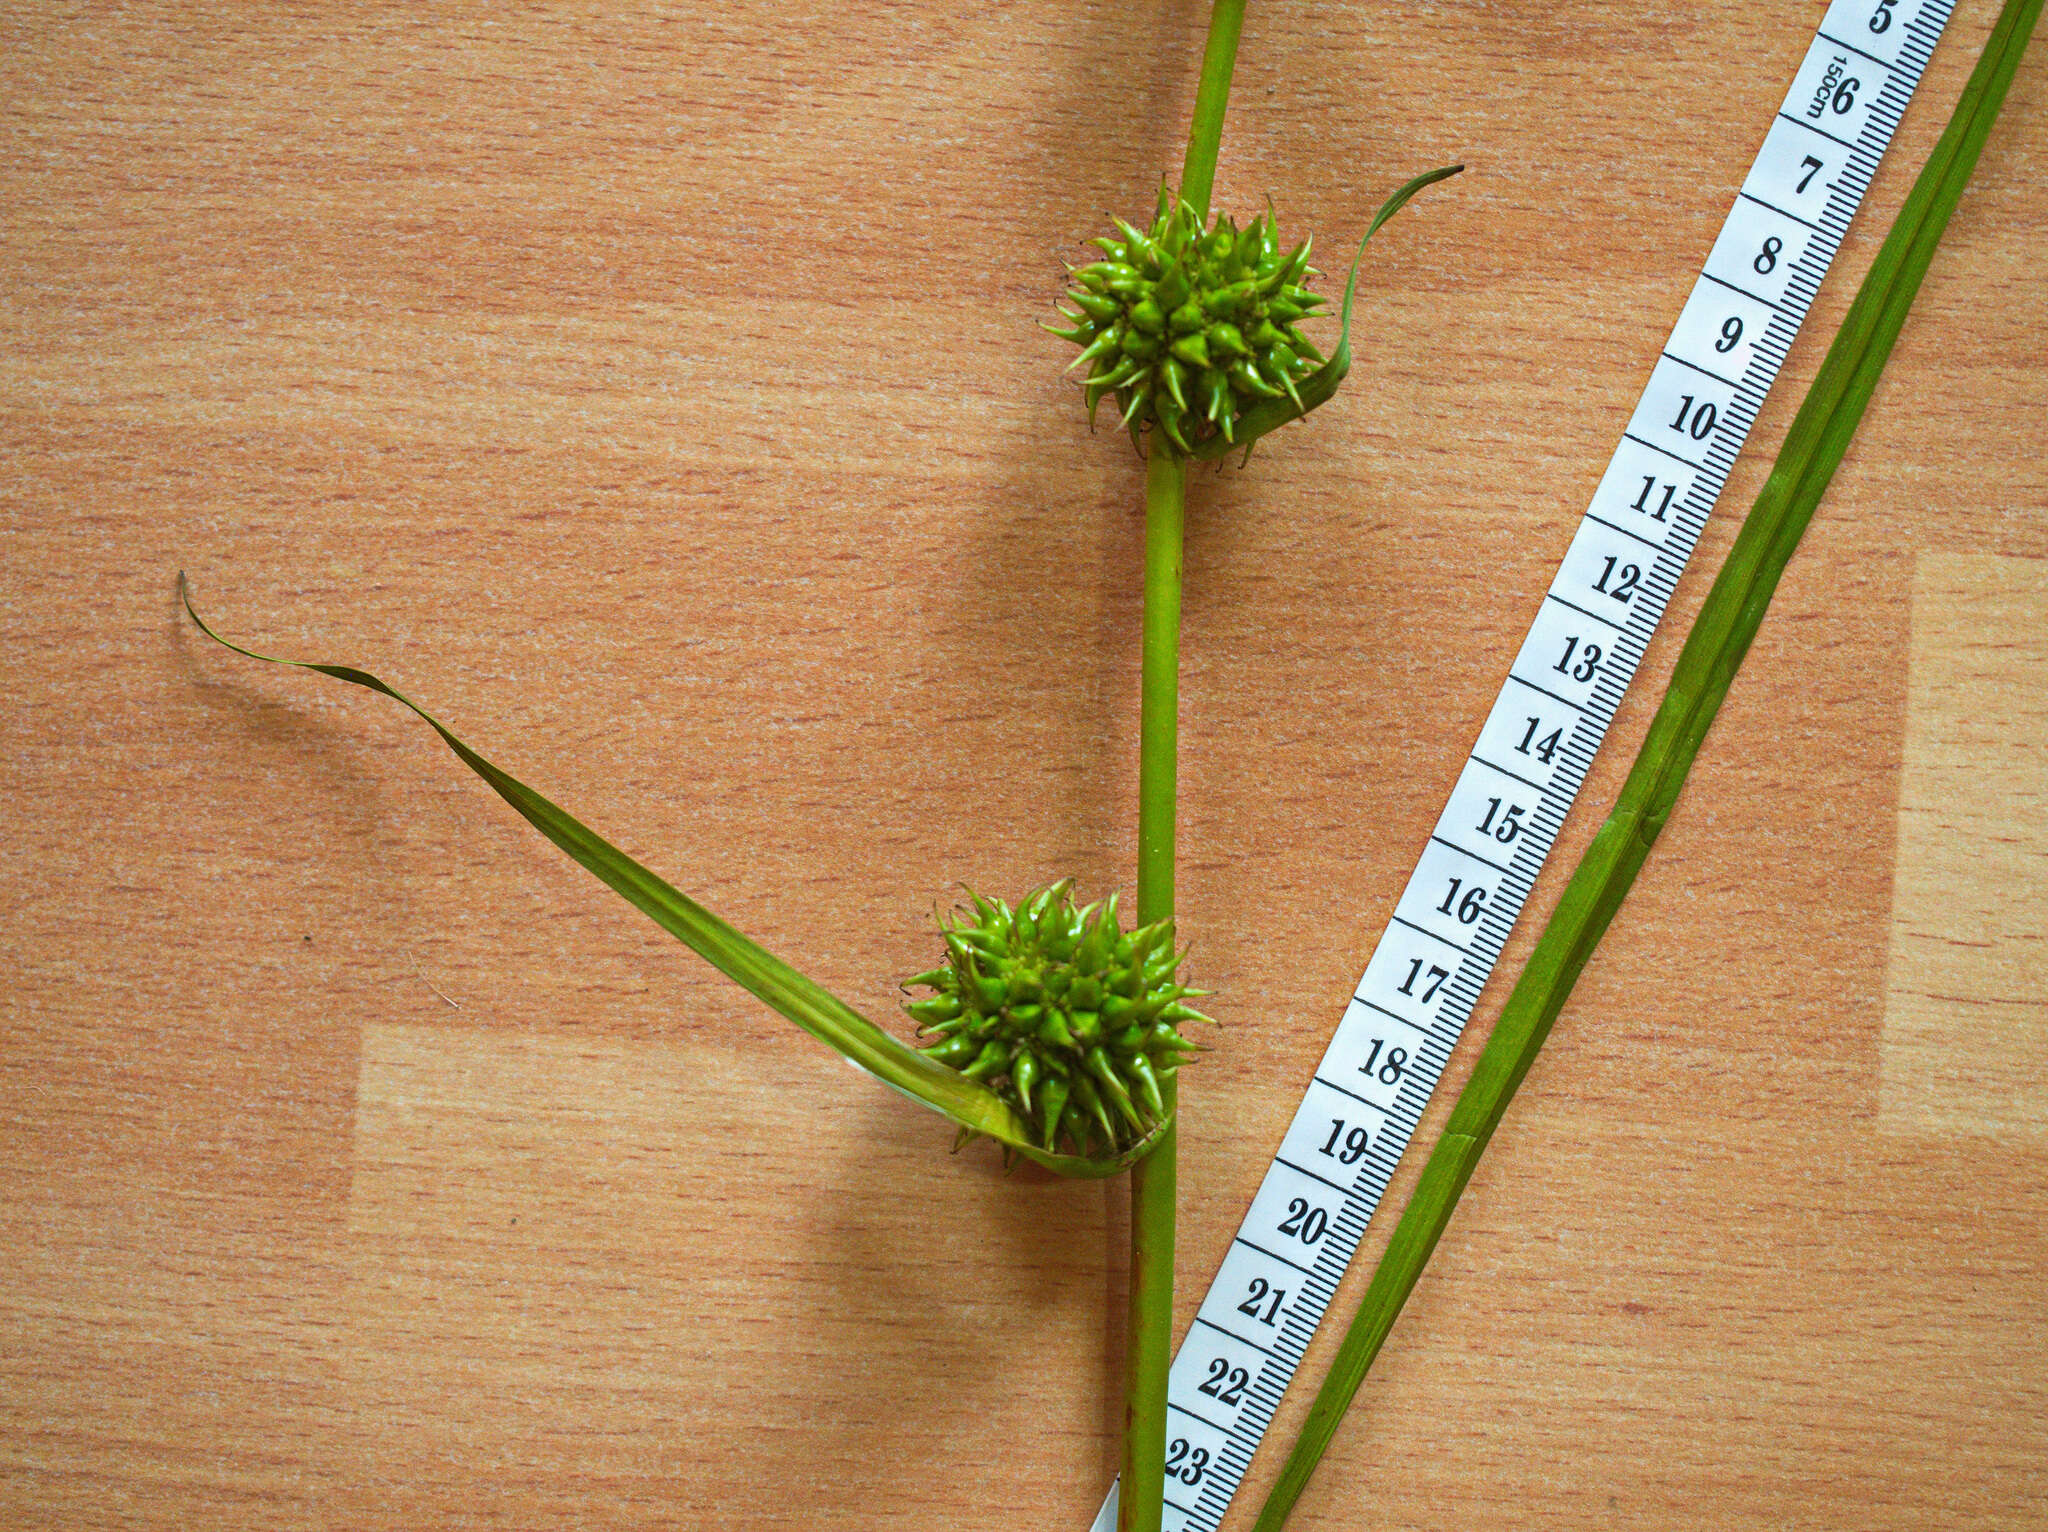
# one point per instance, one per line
(1965, 1044)
(598, 1281)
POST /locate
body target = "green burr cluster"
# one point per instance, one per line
(1188, 327)
(1071, 1020)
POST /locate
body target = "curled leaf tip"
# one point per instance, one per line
(1310, 387)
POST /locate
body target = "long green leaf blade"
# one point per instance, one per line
(1319, 385)
(818, 1011)
(1713, 652)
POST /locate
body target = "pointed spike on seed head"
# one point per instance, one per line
(1053, 1029)
(1140, 347)
(1216, 395)
(1224, 338)
(1103, 345)
(1242, 373)
(933, 1012)
(1174, 376)
(1140, 1069)
(1023, 1075)
(954, 1052)
(1093, 400)
(1287, 370)
(1121, 374)
(1111, 1084)
(1163, 1034)
(1145, 938)
(1098, 306)
(1091, 1102)
(1148, 317)
(1247, 251)
(1275, 375)
(993, 1059)
(1172, 289)
(1052, 1104)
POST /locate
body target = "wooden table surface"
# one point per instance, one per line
(658, 397)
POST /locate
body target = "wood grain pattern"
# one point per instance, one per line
(1966, 990)
(656, 394)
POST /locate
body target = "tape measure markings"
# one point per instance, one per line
(1518, 784)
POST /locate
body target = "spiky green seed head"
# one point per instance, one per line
(1188, 327)
(1070, 1019)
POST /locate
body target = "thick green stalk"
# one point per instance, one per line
(1720, 637)
(1205, 133)
(1159, 707)
(1149, 1346)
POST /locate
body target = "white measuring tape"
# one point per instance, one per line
(1463, 898)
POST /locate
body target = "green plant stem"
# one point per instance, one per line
(1149, 1344)
(1720, 637)
(1212, 96)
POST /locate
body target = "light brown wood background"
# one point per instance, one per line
(655, 392)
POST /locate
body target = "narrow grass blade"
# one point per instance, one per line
(1721, 635)
(819, 1012)
(1319, 385)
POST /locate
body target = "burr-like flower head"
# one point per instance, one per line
(1191, 327)
(1071, 1020)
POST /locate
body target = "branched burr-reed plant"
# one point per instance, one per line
(1047, 1027)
